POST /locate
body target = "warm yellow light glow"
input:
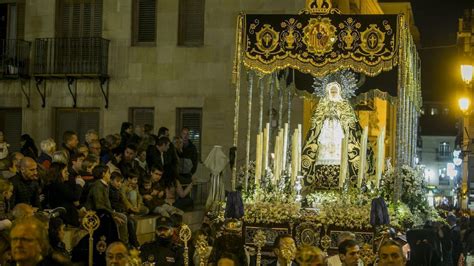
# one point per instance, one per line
(466, 73)
(464, 104)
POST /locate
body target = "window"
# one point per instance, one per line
(191, 23)
(10, 125)
(12, 21)
(142, 116)
(192, 119)
(144, 23)
(79, 18)
(444, 150)
(79, 120)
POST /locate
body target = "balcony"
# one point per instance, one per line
(71, 57)
(14, 58)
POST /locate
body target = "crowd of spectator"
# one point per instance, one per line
(126, 175)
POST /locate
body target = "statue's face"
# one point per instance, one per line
(334, 91)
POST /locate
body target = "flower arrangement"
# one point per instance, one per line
(413, 208)
(270, 207)
(341, 209)
(401, 216)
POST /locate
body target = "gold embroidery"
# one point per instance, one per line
(267, 40)
(319, 36)
(314, 45)
(372, 41)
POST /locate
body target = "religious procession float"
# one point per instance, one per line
(346, 160)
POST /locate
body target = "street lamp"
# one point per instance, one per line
(466, 73)
(464, 104)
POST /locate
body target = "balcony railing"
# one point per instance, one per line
(14, 56)
(71, 57)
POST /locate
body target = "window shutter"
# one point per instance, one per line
(144, 22)
(88, 119)
(97, 19)
(191, 22)
(10, 125)
(142, 116)
(65, 120)
(80, 18)
(20, 30)
(78, 120)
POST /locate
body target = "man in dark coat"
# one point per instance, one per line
(26, 188)
(189, 149)
(163, 251)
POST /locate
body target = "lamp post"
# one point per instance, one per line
(464, 105)
(466, 73)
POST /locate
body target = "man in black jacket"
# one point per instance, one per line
(189, 149)
(26, 188)
(163, 251)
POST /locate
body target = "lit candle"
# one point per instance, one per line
(258, 159)
(363, 156)
(294, 157)
(380, 156)
(276, 163)
(266, 139)
(300, 132)
(285, 147)
(344, 160)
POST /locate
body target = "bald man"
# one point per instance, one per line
(117, 254)
(26, 188)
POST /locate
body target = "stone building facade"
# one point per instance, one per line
(163, 78)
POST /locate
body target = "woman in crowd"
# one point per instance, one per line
(28, 147)
(56, 239)
(175, 194)
(126, 133)
(62, 192)
(48, 147)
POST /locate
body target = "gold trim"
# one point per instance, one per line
(323, 69)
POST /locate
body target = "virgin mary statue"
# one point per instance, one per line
(325, 151)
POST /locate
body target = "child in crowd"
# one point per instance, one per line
(6, 192)
(132, 195)
(116, 197)
(141, 159)
(154, 198)
(119, 203)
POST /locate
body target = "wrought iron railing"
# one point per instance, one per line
(71, 56)
(14, 57)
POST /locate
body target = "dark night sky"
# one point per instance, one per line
(438, 23)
